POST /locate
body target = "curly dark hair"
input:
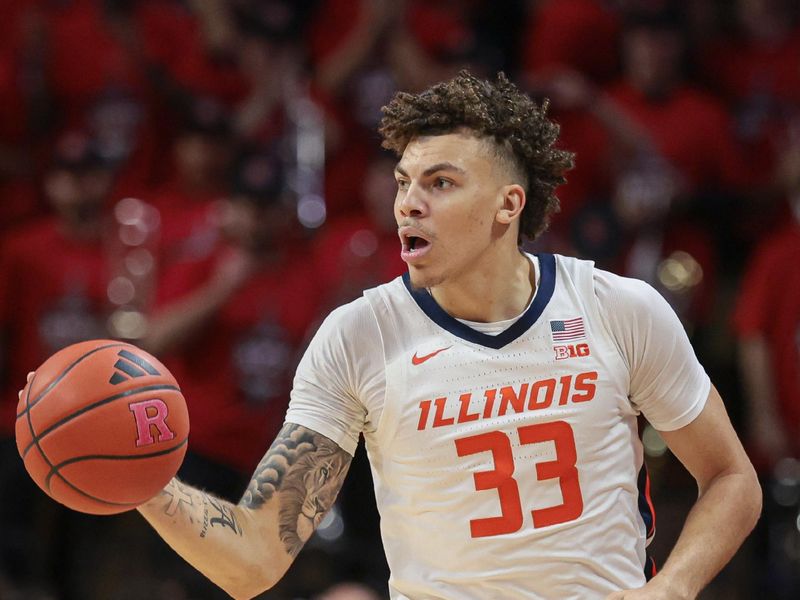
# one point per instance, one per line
(520, 129)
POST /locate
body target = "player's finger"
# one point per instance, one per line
(28, 379)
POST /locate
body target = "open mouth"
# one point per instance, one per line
(414, 243)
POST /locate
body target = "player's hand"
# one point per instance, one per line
(30, 376)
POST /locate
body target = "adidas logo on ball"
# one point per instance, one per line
(130, 365)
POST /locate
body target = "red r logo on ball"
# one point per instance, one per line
(147, 413)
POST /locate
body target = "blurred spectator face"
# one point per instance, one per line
(78, 193)
(200, 158)
(652, 59)
(644, 193)
(79, 182)
(255, 216)
(257, 56)
(202, 148)
(254, 224)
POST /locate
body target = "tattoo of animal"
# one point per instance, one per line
(306, 471)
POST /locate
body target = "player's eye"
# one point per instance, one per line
(442, 183)
(402, 184)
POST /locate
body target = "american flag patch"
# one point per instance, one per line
(568, 330)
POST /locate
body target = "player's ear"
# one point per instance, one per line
(513, 201)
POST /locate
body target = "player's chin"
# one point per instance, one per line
(422, 279)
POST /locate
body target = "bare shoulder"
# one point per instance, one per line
(304, 470)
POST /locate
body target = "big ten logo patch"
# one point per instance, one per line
(151, 417)
(571, 351)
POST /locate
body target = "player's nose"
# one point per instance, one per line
(412, 203)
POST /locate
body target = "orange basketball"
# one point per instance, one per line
(102, 426)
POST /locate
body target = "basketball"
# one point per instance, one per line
(102, 426)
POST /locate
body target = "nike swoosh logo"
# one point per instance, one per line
(418, 360)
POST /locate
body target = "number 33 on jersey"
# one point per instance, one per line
(539, 395)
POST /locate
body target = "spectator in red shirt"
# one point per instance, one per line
(688, 127)
(360, 251)
(767, 322)
(230, 327)
(202, 151)
(755, 69)
(53, 276)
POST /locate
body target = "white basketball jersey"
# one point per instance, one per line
(509, 465)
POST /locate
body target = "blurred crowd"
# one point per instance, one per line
(203, 178)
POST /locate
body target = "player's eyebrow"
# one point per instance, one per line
(442, 166)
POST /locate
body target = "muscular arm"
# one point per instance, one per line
(726, 510)
(246, 548)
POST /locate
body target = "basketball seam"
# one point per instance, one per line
(34, 439)
(100, 500)
(29, 405)
(37, 438)
(54, 469)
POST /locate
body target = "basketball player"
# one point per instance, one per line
(497, 392)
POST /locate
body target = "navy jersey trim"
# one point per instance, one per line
(646, 508)
(547, 285)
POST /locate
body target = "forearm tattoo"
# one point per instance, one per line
(186, 501)
(306, 470)
(224, 516)
(181, 499)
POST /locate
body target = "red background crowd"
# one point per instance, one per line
(203, 178)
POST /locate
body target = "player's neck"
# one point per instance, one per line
(487, 295)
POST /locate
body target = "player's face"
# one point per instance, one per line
(449, 190)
